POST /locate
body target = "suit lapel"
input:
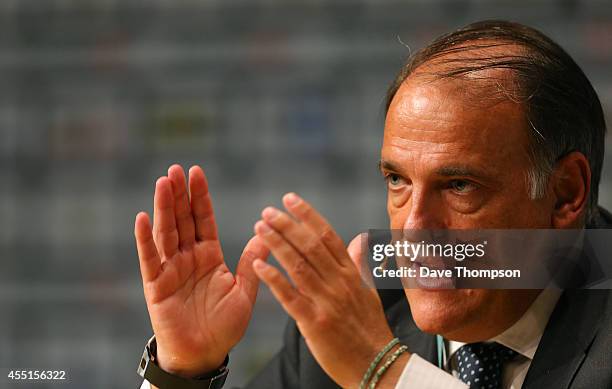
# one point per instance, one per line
(570, 330)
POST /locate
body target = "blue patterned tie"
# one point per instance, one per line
(480, 365)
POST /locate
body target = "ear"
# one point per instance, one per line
(571, 185)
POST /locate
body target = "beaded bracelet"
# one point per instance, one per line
(381, 354)
(388, 363)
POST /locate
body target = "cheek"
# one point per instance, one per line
(398, 198)
(537, 214)
(520, 214)
(513, 206)
(397, 214)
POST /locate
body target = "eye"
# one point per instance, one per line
(462, 186)
(394, 180)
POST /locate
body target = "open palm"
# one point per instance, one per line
(199, 309)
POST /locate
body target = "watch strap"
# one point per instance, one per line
(155, 375)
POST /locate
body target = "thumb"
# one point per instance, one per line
(357, 250)
(245, 275)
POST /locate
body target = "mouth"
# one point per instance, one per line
(433, 273)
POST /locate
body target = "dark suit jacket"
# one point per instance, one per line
(575, 350)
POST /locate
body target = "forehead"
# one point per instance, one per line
(454, 119)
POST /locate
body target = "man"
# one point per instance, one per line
(491, 126)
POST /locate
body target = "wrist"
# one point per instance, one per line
(187, 368)
(392, 375)
(386, 367)
(150, 370)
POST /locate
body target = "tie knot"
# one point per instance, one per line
(480, 364)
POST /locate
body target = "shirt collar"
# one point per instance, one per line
(524, 335)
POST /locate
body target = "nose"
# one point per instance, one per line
(425, 222)
(425, 212)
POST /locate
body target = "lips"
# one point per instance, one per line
(436, 266)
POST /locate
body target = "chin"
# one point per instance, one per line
(446, 311)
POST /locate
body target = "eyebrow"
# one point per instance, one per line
(386, 165)
(453, 171)
(445, 171)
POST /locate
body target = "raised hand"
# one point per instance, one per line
(199, 310)
(341, 319)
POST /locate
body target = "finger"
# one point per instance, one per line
(165, 232)
(305, 213)
(303, 275)
(201, 205)
(245, 275)
(303, 240)
(182, 209)
(150, 263)
(296, 305)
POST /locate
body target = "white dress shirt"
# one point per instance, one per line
(523, 337)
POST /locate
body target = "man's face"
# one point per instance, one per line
(454, 163)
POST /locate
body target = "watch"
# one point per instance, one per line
(150, 371)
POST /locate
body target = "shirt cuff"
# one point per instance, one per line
(420, 374)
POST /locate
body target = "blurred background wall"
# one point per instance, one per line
(98, 98)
